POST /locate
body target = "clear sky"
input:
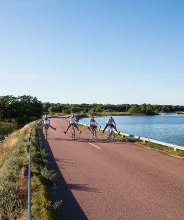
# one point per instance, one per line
(93, 51)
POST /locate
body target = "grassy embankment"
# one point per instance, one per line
(6, 128)
(4, 123)
(147, 144)
(13, 178)
(112, 113)
(13, 186)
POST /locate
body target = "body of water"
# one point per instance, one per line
(167, 128)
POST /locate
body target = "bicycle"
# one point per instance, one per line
(46, 127)
(110, 133)
(93, 131)
(72, 131)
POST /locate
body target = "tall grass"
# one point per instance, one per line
(43, 205)
(13, 182)
(13, 185)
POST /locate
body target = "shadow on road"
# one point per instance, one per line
(70, 209)
(63, 161)
(82, 187)
(116, 141)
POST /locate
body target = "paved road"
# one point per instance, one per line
(105, 180)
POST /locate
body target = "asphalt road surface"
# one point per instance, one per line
(113, 180)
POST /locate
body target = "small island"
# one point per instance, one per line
(180, 113)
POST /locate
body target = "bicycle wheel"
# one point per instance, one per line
(108, 134)
(113, 136)
(92, 132)
(46, 133)
(73, 132)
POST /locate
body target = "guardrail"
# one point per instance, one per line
(29, 169)
(144, 139)
(29, 175)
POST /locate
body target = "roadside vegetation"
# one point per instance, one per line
(161, 148)
(23, 109)
(13, 179)
(19, 110)
(13, 185)
(44, 205)
(5, 123)
(111, 113)
(6, 129)
(152, 145)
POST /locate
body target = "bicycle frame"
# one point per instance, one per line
(93, 132)
(110, 133)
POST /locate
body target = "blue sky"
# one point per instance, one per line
(96, 51)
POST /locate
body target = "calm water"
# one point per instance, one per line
(167, 128)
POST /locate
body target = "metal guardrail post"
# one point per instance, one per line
(29, 180)
(29, 174)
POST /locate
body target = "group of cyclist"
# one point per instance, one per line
(73, 122)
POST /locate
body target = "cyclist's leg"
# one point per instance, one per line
(105, 127)
(45, 130)
(67, 128)
(115, 128)
(95, 128)
(77, 128)
(52, 127)
(92, 129)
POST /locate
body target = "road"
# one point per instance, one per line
(113, 180)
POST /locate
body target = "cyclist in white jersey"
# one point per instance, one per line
(72, 121)
(46, 123)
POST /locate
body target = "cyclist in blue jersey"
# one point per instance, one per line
(93, 123)
(112, 123)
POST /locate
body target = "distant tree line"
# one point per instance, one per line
(83, 108)
(25, 108)
(20, 109)
(144, 109)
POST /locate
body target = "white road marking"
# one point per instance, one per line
(94, 145)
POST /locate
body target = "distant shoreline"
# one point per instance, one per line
(180, 113)
(103, 114)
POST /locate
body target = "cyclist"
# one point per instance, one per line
(46, 123)
(72, 121)
(93, 123)
(110, 122)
